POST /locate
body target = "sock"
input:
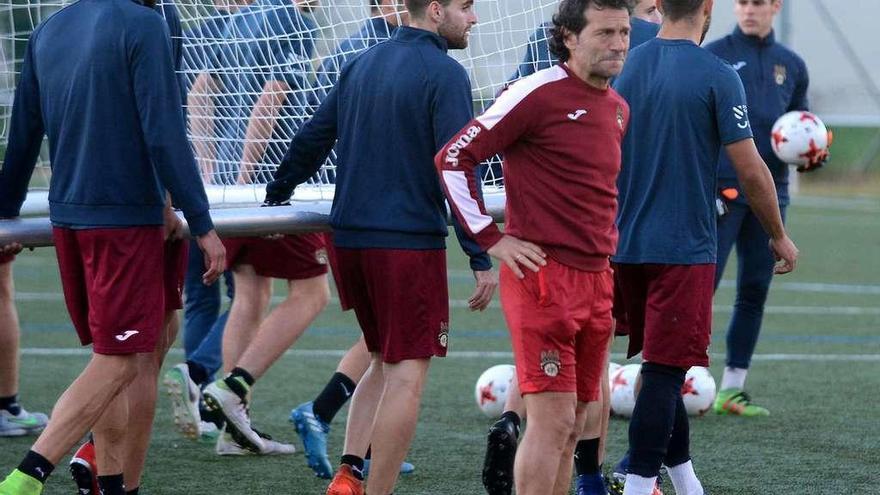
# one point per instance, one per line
(36, 466)
(133, 492)
(335, 394)
(111, 484)
(653, 418)
(11, 404)
(197, 373)
(734, 378)
(357, 465)
(210, 416)
(240, 382)
(678, 450)
(586, 456)
(639, 485)
(684, 479)
(513, 418)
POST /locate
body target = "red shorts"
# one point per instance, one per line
(176, 255)
(560, 326)
(6, 258)
(114, 286)
(668, 311)
(293, 257)
(400, 298)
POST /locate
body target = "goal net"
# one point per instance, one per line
(253, 71)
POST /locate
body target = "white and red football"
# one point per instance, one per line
(798, 137)
(698, 391)
(623, 388)
(492, 389)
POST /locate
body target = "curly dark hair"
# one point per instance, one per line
(571, 18)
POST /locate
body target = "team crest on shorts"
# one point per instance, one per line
(321, 256)
(620, 117)
(779, 74)
(443, 336)
(550, 363)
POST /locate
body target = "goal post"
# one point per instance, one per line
(247, 46)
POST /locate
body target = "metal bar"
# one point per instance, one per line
(301, 217)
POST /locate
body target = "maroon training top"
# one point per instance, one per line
(561, 139)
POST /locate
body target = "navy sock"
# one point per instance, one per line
(586, 456)
(357, 465)
(197, 372)
(678, 451)
(36, 466)
(111, 484)
(654, 418)
(11, 404)
(335, 394)
(133, 492)
(234, 382)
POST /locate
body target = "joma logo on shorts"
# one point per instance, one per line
(460, 144)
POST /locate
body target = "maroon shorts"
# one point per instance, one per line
(560, 325)
(114, 286)
(176, 255)
(400, 298)
(334, 268)
(667, 310)
(6, 258)
(293, 257)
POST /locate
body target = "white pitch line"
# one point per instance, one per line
(337, 353)
(461, 303)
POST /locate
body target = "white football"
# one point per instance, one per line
(698, 391)
(798, 136)
(492, 389)
(612, 369)
(623, 384)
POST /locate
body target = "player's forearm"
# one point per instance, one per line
(758, 185)
(200, 105)
(259, 132)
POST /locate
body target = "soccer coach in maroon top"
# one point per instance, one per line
(560, 132)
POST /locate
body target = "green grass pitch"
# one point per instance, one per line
(816, 370)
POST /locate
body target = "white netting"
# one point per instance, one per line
(254, 71)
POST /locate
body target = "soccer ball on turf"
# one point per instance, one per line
(798, 137)
(698, 391)
(623, 389)
(612, 369)
(492, 389)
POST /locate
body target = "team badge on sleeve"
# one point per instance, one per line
(620, 117)
(550, 363)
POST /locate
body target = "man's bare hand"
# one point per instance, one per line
(487, 281)
(11, 248)
(786, 254)
(215, 256)
(514, 252)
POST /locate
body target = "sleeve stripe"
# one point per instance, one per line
(518, 92)
(459, 192)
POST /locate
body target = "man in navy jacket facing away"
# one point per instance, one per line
(98, 79)
(776, 81)
(389, 220)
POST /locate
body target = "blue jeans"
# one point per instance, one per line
(202, 322)
(755, 263)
